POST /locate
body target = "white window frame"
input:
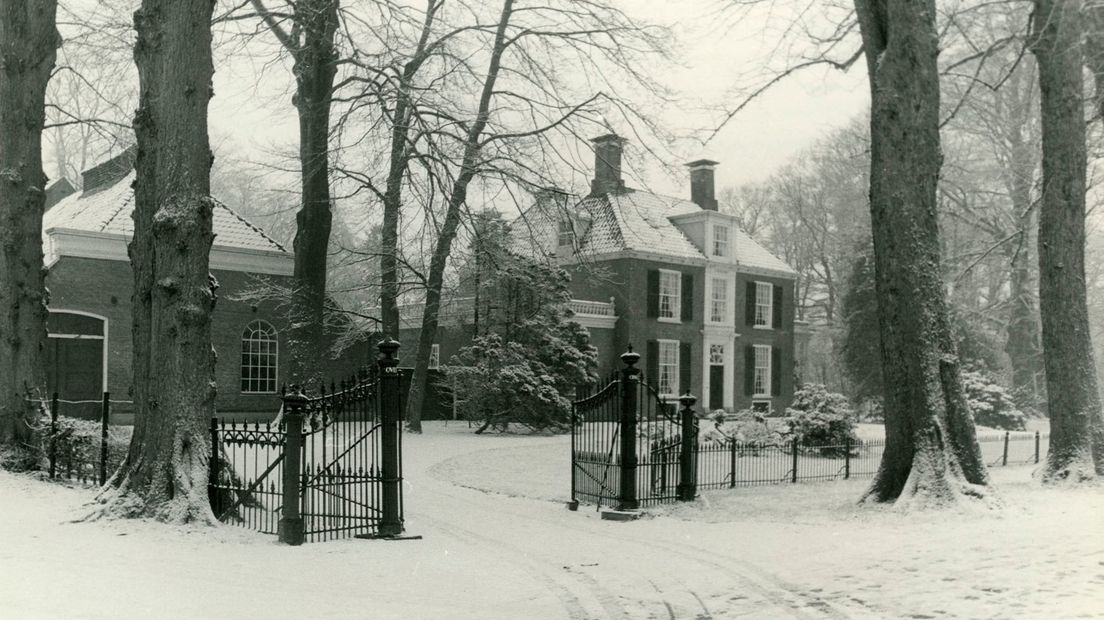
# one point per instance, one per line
(725, 244)
(269, 385)
(674, 305)
(566, 234)
(667, 372)
(434, 356)
(726, 313)
(762, 352)
(764, 311)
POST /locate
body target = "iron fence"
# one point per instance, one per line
(731, 463)
(330, 468)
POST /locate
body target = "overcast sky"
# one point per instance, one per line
(720, 54)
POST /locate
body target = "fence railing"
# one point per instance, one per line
(732, 463)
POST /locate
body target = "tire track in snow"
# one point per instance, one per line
(776, 591)
(570, 597)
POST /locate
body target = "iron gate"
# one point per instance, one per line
(627, 445)
(331, 468)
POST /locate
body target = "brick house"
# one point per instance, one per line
(710, 310)
(89, 351)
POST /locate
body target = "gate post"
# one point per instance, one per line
(688, 480)
(105, 416)
(290, 526)
(630, 384)
(390, 418)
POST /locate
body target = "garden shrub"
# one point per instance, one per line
(991, 403)
(822, 419)
(77, 445)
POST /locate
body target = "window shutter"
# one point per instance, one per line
(776, 371)
(653, 293)
(651, 363)
(749, 370)
(777, 306)
(749, 309)
(687, 296)
(684, 367)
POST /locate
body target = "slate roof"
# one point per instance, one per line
(631, 220)
(108, 209)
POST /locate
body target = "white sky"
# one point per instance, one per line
(718, 55)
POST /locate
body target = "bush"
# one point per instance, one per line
(77, 445)
(991, 403)
(822, 418)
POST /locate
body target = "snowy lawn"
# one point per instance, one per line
(789, 551)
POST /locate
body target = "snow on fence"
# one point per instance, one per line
(731, 463)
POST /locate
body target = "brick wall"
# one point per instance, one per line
(104, 287)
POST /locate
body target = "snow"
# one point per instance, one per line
(499, 543)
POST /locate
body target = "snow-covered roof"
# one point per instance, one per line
(632, 220)
(108, 210)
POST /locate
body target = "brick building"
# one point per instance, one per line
(89, 352)
(710, 310)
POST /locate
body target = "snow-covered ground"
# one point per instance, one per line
(498, 543)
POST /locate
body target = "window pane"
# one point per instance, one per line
(259, 357)
(719, 302)
(668, 367)
(669, 287)
(764, 298)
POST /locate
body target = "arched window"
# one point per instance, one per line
(259, 358)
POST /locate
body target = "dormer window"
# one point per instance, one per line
(720, 240)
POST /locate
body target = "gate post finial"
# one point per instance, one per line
(630, 358)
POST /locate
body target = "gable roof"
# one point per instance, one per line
(108, 210)
(635, 221)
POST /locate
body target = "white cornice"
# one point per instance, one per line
(595, 322)
(113, 246)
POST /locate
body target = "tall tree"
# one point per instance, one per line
(28, 49)
(311, 45)
(931, 456)
(165, 472)
(1076, 433)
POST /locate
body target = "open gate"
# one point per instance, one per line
(332, 467)
(627, 443)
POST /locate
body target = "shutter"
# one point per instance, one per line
(749, 309)
(651, 363)
(653, 293)
(684, 367)
(776, 371)
(749, 370)
(777, 307)
(687, 295)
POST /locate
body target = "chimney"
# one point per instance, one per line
(607, 164)
(701, 183)
(109, 172)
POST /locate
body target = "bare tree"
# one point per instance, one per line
(1076, 431)
(28, 49)
(310, 41)
(166, 470)
(931, 456)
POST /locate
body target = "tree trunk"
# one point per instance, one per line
(396, 172)
(165, 473)
(315, 68)
(457, 198)
(1093, 13)
(28, 49)
(1074, 402)
(931, 456)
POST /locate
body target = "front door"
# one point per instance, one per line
(716, 377)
